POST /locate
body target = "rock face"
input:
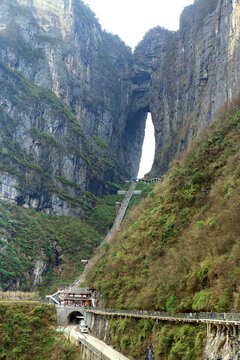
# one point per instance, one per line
(150, 353)
(193, 72)
(40, 267)
(74, 99)
(222, 343)
(65, 103)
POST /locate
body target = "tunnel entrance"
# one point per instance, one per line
(75, 318)
(148, 148)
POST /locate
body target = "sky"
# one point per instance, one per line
(131, 19)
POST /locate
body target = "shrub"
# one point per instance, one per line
(202, 301)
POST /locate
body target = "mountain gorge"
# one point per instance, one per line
(67, 84)
(73, 105)
(193, 73)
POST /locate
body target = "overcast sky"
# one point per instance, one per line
(131, 19)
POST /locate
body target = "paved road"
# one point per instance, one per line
(98, 344)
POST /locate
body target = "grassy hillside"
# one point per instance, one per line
(27, 332)
(170, 341)
(179, 249)
(27, 236)
(60, 242)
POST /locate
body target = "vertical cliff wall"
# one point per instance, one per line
(193, 72)
(59, 46)
(65, 106)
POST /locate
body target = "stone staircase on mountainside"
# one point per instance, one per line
(112, 231)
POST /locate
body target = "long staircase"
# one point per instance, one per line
(112, 231)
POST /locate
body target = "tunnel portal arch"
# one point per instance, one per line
(75, 318)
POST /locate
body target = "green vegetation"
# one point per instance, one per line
(100, 142)
(26, 236)
(171, 341)
(74, 201)
(35, 94)
(146, 190)
(104, 213)
(45, 139)
(60, 241)
(27, 332)
(178, 250)
(107, 162)
(15, 160)
(114, 186)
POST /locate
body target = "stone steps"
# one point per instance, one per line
(112, 231)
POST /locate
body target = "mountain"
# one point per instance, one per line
(191, 73)
(73, 105)
(178, 251)
(65, 104)
(74, 100)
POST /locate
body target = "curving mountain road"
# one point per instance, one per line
(99, 345)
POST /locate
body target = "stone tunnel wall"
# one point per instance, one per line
(63, 313)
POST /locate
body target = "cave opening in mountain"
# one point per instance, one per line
(75, 318)
(148, 148)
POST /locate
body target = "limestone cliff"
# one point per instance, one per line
(64, 100)
(76, 99)
(193, 72)
(222, 343)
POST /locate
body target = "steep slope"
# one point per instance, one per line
(40, 251)
(73, 104)
(27, 332)
(60, 47)
(179, 249)
(145, 339)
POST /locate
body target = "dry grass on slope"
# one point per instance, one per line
(179, 249)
